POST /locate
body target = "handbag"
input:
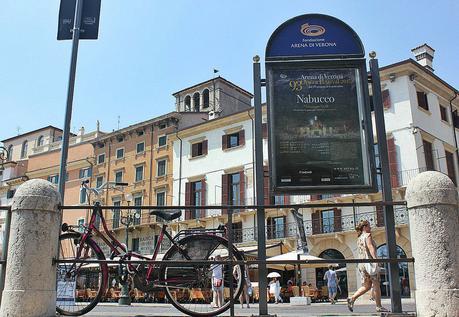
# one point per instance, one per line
(372, 268)
(250, 290)
(218, 282)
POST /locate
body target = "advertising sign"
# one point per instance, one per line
(89, 29)
(320, 125)
(65, 287)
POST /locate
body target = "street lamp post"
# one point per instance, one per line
(125, 299)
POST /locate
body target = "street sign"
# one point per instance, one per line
(89, 29)
(321, 136)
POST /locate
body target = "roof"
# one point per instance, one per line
(422, 69)
(173, 114)
(34, 131)
(217, 78)
(425, 44)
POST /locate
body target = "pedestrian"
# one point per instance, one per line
(369, 272)
(332, 283)
(274, 289)
(246, 285)
(217, 281)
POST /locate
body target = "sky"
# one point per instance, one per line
(149, 49)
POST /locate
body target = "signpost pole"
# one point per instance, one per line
(396, 303)
(70, 90)
(262, 270)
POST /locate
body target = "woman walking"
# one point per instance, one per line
(369, 272)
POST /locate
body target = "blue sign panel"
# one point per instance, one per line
(313, 36)
(89, 28)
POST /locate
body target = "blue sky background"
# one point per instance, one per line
(148, 49)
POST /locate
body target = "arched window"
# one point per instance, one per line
(187, 103)
(40, 140)
(10, 153)
(340, 272)
(24, 149)
(205, 96)
(196, 100)
(404, 277)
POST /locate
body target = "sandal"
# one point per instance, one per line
(350, 304)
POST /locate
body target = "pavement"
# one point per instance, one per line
(362, 308)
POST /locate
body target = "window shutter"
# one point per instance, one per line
(224, 141)
(81, 174)
(386, 98)
(202, 212)
(269, 227)
(204, 147)
(379, 216)
(224, 192)
(242, 187)
(450, 165)
(242, 137)
(393, 166)
(337, 220)
(264, 127)
(187, 200)
(266, 190)
(194, 150)
(428, 155)
(315, 222)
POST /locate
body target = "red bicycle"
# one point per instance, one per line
(190, 288)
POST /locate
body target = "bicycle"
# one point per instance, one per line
(188, 288)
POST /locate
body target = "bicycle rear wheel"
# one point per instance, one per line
(189, 288)
(79, 286)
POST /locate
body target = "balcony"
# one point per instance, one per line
(345, 223)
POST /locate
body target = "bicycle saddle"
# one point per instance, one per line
(167, 215)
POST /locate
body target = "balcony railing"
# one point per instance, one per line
(342, 224)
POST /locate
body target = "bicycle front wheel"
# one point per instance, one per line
(79, 286)
(191, 289)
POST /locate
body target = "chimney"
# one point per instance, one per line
(424, 56)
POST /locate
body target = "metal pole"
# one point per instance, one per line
(262, 270)
(70, 90)
(396, 302)
(6, 241)
(230, 254)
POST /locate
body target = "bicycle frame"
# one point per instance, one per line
(116, 247)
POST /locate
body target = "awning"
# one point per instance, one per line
(290, 256)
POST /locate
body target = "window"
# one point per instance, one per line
(198, 149)
(455, 119)
(196, 198)
(162, 126)
(443, 113)
(161, 170)
(120, 138)
(116, 214)
(140, 147)
(328, 221)
(119, 176)
(205, 97)
(138, 212)
(237, 232)
(139, 173)
(119, 153)
(450, 165)
(422, 100)
(135, 244)
(160, 198)
(428, 155)
(140, 133)
(99, 181)
(233, 140)
(85, 172)
(40, 140)
(53, 179)
(24, 149)
(196, 101)
(234, 189)
(10, 153)
(101, 158)
(187, 103)
(276, 227)
(80, 224)
(162, 140)
(10, 193)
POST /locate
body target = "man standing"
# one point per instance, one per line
(332, 283)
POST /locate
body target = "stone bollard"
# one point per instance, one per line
(30, 286)
(434, 228)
